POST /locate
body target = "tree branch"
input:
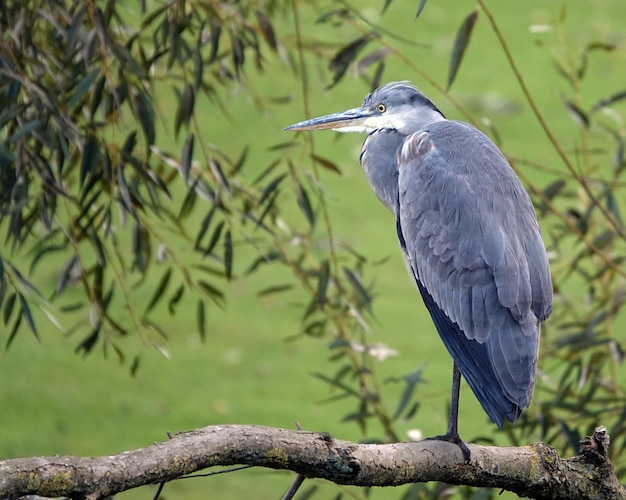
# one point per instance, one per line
(535, 471)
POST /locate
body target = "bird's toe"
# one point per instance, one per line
(455, 439)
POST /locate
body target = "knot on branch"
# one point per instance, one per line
(595, 449)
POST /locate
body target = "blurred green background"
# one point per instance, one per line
(249, 370)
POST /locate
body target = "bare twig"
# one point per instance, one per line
(297, 481)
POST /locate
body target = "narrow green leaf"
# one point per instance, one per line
(160, 289)
(96, 98)
(210, 270)
(101, 27)
(305, 203)
(107, 168)
(198, 62)
(240, 162)
(87, 209)
(604, 239)
(554, 188)
(139, 243)
(24, 282)
(154, 326)
(3, 286)
(175, 299)
(129, 143)
(576, 113)
(69, 308)
(369, 60)
(348, 53)
(270, 188)
(90, 159)
(460, 45)
(217, 232)
(145, 114)
(26, 129)
(358, 287)
(216, 295)
(268, 207)
(237, 52)
(13, 332)
(216, 31)
(98, 249)
(201, 317)
(268, 258)
(37, 256)
(359, 417)
(6, 154)
(607, 101)
(274, 289)
(186, 104)
(98, 284)
(89, 342)
(267, 29)
(218, 173)
(124, 192)
(204, 226)
(187, 155)
(334, 16)
(265, 172)
(106, 302)
(228, 255)
(378, 75)
(28, 316)
(337, 384)
(83, 87)
(8, 308)
(134, 366)
(311, 308)
(584, 55)
(189, 202)
(315, 328)
(93, 182)
(613, 206)
(322, 283)
(327, 164)
(412, 380)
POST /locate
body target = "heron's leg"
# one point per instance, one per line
(453, 419)
(452, 435)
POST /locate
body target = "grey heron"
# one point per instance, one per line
(470, 239)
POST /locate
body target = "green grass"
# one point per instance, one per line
(55, 402)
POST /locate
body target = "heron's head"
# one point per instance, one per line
(397, 105)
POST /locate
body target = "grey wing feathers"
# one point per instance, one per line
(473, 242)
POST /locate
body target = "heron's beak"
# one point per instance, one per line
(352, 120)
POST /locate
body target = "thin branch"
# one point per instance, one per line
(535, 471)
(544, 125)
(294, 487)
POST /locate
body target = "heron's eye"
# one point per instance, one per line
(381, 108)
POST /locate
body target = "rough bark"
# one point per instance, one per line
(535, 471)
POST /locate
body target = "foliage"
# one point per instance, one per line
(87, 189)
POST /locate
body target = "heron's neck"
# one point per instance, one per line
(415, 122)
(378, 160)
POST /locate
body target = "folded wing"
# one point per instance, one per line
(472, 242)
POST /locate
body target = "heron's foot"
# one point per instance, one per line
(456, 439)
